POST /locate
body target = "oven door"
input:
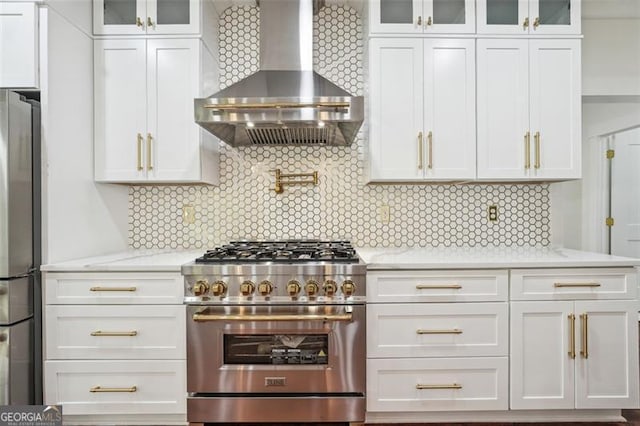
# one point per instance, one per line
(276, 349)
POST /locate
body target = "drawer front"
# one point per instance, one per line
(437, 330)
(115, 332)
(116, 387)
(437, 384)
(438, 286)
(574, 284)
(113, 288)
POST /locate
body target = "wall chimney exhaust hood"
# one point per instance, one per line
(286, 102)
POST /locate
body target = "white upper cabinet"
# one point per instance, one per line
(422, 97)
(529, 109)
(528, 17)
(421, 16)
(18, 45)
(146, 17)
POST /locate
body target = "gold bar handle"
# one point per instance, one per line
(101, 389)
(536, 23)
(438, 286)
(584, 351)
(429, 21)
(559, 285)
(572, 336)
(420, 154)
(149, 152)
(452, 331)
(139, 23)
(140, 152)
(451, 386)
(527, 150)
(525, 24)
(113, 289)
(536, 139)
(114, 333)
(419, 21)
(149, 22)
(269, 318)
(430, 140)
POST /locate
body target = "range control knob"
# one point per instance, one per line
(330, 288)
(311, 288)
(200, 287)
(247, 288)
(348, 288)
(265, 288)
(293, 288)
(219, 288)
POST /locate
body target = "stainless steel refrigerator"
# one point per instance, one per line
(19, 247)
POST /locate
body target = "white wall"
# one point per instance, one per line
(80, 218)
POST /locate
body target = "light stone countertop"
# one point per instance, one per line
(158, 260)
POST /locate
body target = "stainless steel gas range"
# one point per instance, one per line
(276, 333)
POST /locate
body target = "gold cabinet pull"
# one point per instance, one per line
(139, 23)
(100, 333)
(430, 140)
(572, 336)
(419, 21)
(452, 331)
(149, 22)
(525, 24)
(149, 152)
(113, 289)
(438, 286)
(420, 154)
(584, 351)
(451, 386)
(140, 152)
(536, 139)
(536, 23)
(527, 150)
(429, 21)
(101, 389)
(560, 285)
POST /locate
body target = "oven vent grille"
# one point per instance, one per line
(292, 135)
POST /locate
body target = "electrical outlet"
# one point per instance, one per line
(384, 213)
(188, 214)
(493, 213)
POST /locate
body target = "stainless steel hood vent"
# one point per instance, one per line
(286, 102)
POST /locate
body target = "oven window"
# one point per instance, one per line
(276, 349)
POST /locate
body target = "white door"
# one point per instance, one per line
(554, 16)
(503, 17)
(555, 114)
(18, 45)
(172, 140)
(396, 122)
(607, 361)
(625, 194)
(119, 16)
(450, 109)
(449, 17)
(393, 16)
(542, 369)
(173, 17)
(503, 109)
(120, 109)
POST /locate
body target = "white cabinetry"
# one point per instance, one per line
(528, 17)
(18, 45)
(421, 16)
(571, 345)
(422, 94)
(146, 17)
(529, 109)
(115, 345)
(144, 130)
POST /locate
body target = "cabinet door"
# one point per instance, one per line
(120, 109)
(503, 17)
(607, 361)
(396, 16)
(449, 106)
(172, 138)
(542, 370)
(119, 16)
(554, 16)
(396, 126)
(18, 45)
(449, 16)
(503, 109)
(173, 16)
(555, 119)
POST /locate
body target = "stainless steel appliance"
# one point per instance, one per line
(19, 247)
(285, 102)
(276, 333)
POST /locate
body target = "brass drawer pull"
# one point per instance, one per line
(559, 285)
(139, 152)
(430, 140)
(101, 389)
(149, 152)
(113, 289)
(584, 351)
(453, 331)
(420, 154)
(114, 333)
(536, 139)
(572, 336)
(527, 150)
(438, 286)
(451, 386)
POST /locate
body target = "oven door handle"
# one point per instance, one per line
(275, 317)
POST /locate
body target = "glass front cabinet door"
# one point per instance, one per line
(528, 17)
(422, 16)
(147, 17)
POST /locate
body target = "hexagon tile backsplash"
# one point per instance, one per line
(341, 206)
